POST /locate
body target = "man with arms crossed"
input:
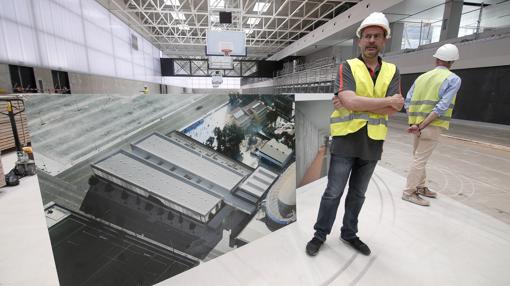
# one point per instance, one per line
(368, 91)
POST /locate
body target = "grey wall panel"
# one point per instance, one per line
(5, 79)
(86, 83)
(484, 95)
(43, 76)
(258, 90)
(490, 51)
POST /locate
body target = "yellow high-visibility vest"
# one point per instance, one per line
(426, 96)
(344, 121)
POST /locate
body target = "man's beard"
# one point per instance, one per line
(371, 53)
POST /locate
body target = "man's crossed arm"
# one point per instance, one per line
(384, 106)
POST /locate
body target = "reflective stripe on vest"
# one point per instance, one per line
(424, 115)
(426, 96)
(364, 116)
(428, 102)
(344, 121)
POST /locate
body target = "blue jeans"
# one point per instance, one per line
(339, 169)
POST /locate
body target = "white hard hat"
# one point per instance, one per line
(447, 53)
(375, 19)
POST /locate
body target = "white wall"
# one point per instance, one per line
(74, 35)
(98, 84)
(312, 124)
(485, 52)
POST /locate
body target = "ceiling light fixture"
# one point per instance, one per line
(183, 27)
(217, 3)
(261, 7)
(172, 2)
(177, 15)
(253, 21)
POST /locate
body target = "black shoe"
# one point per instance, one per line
(313, 246)
(358, 245)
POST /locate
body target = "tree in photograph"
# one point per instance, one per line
(252, 140)
(234, 135)
(209, 142)
(289, 140)
(228, 140)
(220, 139)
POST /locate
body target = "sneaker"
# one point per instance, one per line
(424, 191)
(313, 246)
(415, 199)
(359, 245)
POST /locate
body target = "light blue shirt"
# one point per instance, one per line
(447, 92)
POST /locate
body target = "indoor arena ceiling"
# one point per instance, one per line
(179, 27)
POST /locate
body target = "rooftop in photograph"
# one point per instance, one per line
(146, 177)
(194, 158)
(276, 150)
(258, 182)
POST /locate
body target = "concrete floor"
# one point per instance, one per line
(470, 165)
(448, 243)
(26, 257)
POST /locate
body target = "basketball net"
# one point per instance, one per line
(226, 52)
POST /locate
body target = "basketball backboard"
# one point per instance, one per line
(217, 41)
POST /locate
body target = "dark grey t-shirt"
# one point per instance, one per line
(358, 144)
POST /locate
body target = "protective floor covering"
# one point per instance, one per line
(447, 243)
(25, 250)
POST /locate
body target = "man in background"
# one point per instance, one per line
(429, 104)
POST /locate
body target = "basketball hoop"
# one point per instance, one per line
(226, 51)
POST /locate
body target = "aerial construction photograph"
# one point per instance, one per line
(169, 180)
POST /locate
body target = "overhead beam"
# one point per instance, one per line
(342, 27)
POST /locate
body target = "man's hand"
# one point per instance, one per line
(336, 102)
(396, 101)
(414, 129)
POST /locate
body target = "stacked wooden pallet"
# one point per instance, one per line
(6, 136)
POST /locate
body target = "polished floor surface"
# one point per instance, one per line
(447, 243)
